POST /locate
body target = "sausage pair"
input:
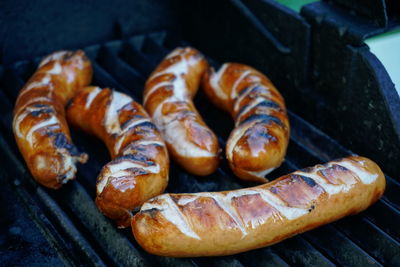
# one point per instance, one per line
(258, 143)
(140, 165)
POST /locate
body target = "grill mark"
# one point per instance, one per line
(139, 147)
(248, 89)
(265, 103)
(137, 171)
(131, 117)
(267, 119)
(40, 105)
(145, 124)
(255, 89)
(340, 167)
(138, 158)
(124, 166)
(309, 181)
(61, 141)
(37, 113)
(308, 169)
(146, 143)
(29, 103)
(123, 133)
(136, 124)
(269, 104)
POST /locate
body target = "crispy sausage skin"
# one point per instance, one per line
(259, 141)
(39, 124)
(168, 98)
(140, 165)
(224, 223)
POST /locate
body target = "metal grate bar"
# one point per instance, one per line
(369, 237)
(262, 257)
(124, 73)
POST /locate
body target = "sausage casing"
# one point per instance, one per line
(224, 223)
(168, 98)
(39, 124)
(140, 165)
(259, 141)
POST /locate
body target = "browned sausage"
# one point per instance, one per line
(224, 223)
(258, 143)
(39, 124)
(168, 98)
(140, 165)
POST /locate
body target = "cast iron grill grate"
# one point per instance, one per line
(71, 222)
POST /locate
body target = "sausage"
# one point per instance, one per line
(258, 143)
(140, 165)
(168, 98)
(224, 223)
(39, 124)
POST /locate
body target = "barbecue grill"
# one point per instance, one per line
(316, 58)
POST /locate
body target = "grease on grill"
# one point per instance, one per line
(267, 119)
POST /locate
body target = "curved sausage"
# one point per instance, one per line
(39, 124)
(259, 141)
(224, 223)
(168, 98)
(140, 165)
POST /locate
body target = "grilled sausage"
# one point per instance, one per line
(168, 98)
(224, 223)
(140, 164)
(258, 143)
(39, 124)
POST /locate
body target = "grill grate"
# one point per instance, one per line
(72, 223)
